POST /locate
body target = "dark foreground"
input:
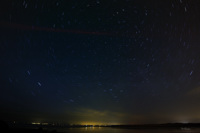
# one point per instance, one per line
(5, 128)
(105, 130)
(147, 128)
(18, 130)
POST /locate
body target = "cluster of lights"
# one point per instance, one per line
(38, 123)
(35, 123)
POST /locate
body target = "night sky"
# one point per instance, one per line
(100, 61)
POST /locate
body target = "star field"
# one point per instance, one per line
(121, 62)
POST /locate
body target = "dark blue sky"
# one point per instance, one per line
(103, 61)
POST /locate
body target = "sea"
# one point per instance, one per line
(123, 130)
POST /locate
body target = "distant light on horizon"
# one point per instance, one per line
(35, 123)
(97, 124)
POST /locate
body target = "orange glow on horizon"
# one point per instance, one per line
(97, 124)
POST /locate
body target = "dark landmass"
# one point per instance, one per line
(8, 128)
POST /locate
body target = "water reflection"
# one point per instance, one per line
(121, 130)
